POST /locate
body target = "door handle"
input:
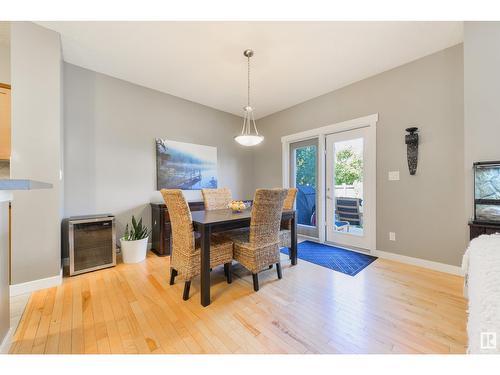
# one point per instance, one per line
(328, 197)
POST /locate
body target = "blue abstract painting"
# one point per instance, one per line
(185, 166)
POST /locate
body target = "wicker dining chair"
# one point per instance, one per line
(186, 252)
(286, 225)
(216, 199)
(258, 248)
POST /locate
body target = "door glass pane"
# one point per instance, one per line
(348, 196)
(93, 245)
(305, 182)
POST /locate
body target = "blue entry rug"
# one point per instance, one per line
(335, 258)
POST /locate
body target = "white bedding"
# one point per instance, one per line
(481, 264)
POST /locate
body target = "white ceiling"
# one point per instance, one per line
(293, 62)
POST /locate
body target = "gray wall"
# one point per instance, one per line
(4, 64)
(481, 103)
(110, 127)
(426, 210)
(4, 267)
(36, 73)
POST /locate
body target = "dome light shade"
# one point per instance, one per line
(249, 140)
(249, 134)
(247, 137)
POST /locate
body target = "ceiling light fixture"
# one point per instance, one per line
(247, 138)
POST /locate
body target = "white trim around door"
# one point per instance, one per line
(369, 122)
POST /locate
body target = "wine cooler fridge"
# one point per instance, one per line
(89, 242)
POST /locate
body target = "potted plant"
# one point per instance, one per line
(134, 244)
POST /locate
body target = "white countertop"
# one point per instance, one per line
(5, 196)
(25, 184)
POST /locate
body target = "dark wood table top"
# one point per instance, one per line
(190, 203)
(226, 216)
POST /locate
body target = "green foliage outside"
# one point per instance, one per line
(348, 167)
(305, 166)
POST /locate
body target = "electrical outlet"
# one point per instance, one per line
(394, 176)
(392, 236)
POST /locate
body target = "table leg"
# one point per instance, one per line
(205, 233)
(293, 250)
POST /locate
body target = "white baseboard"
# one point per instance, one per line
(436, 266)
(308, 238)
(5, 345)
(31, 286)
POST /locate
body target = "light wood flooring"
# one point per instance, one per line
(389, 307)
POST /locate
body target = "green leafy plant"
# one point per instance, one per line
(137, 232)
(348, 167)
(305, 162)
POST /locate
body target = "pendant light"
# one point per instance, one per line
(248, 137)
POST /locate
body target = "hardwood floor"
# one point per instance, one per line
(387, 308)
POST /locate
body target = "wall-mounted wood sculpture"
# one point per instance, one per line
(411, 141)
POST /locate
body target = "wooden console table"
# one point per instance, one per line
(161, 230)
(476, 229)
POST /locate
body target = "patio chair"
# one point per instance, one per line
(347, 213)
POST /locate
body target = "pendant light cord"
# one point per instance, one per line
(248, 87)
(247, 138)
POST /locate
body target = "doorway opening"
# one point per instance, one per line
(334, 170)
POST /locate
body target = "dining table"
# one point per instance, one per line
(213, 221)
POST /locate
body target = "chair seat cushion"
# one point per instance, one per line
(341, 223)
(221, 251)
(253, 258)
(188, 265)
(238, 236)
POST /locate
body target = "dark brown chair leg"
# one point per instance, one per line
(228, 273)
(289, 253)
(278, 269)
(255, 282)
(187, 285)
(173, 274)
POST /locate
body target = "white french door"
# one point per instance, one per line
(350, 188)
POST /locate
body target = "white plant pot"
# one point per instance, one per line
(134, 251)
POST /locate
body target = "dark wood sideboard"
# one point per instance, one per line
(476, 229)
(161, 230)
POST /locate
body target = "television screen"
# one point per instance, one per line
(487, 191)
